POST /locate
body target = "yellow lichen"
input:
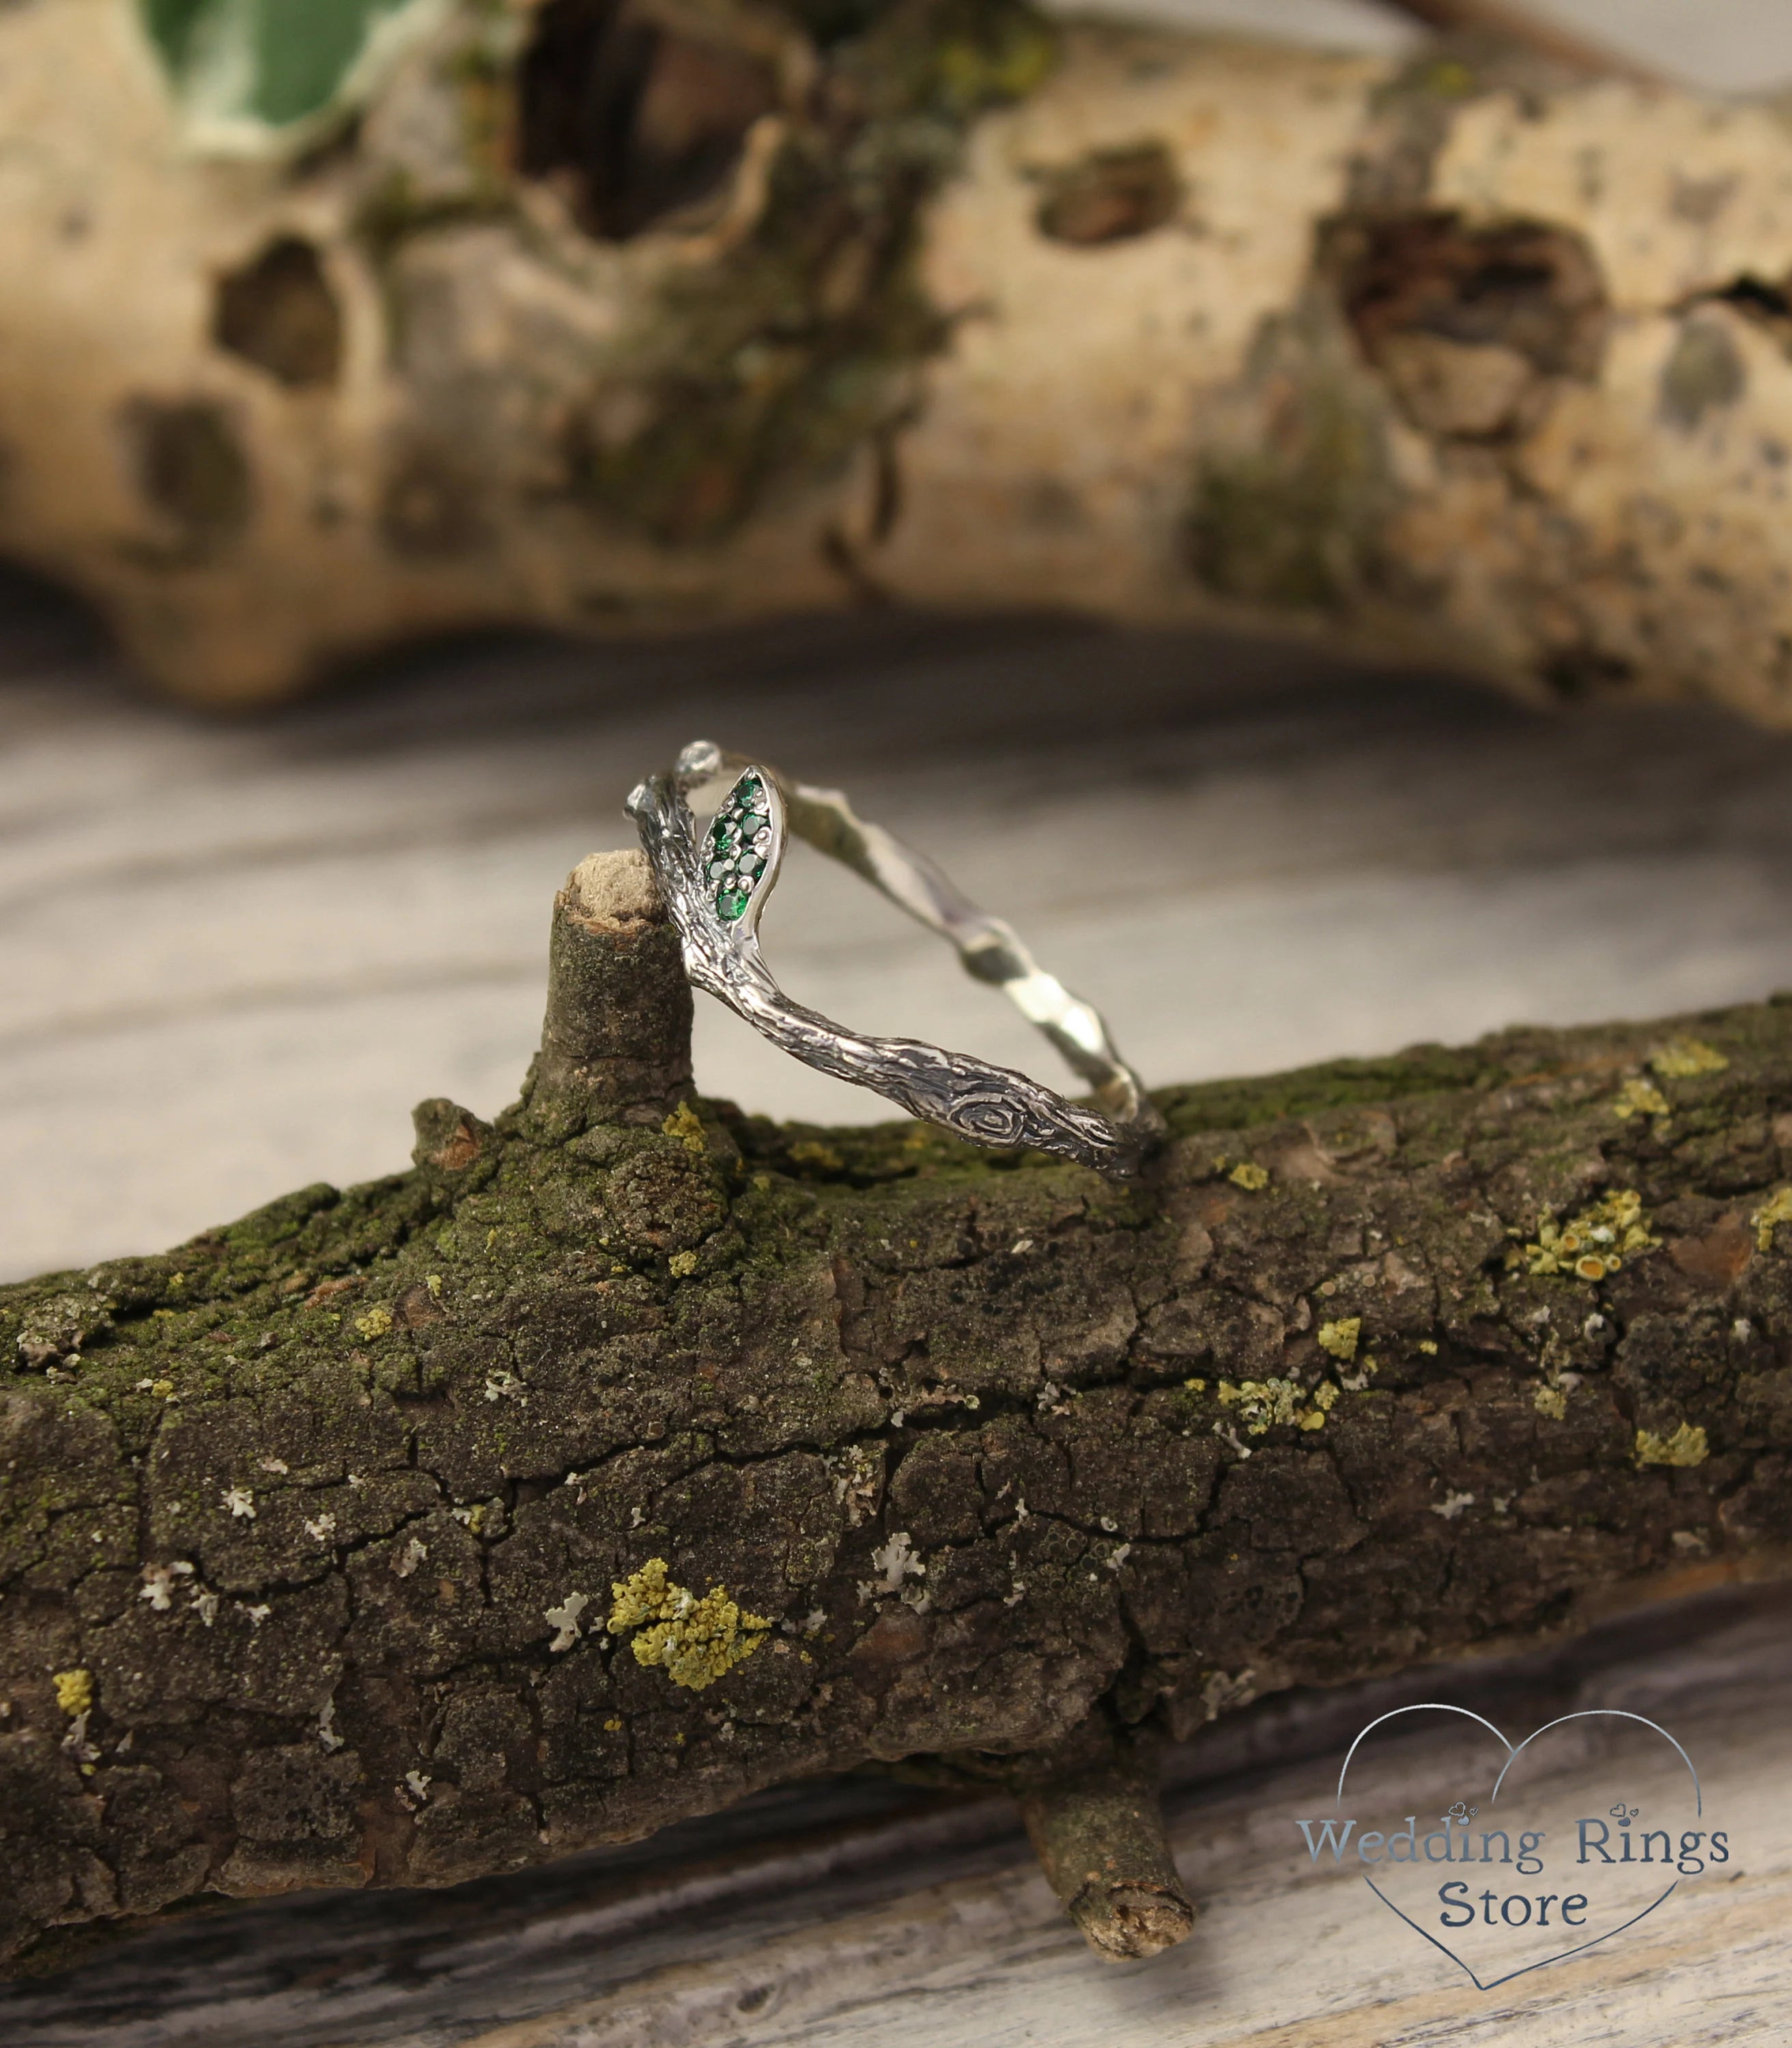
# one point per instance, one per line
(1340, 1338)
(695, 1642)
(1680, 1059)
(1639, 1097)
(1687, 1446)
(1777, 1209)
(812, 1152)
(1595, 1242)
(1248, 1175)
(375, 1323)
(74, 1691)
(1429, 1345)
(1451, 80)
(681, 1265)
(687, 1127)
(1196, 1386)
(640, 1596)
(1551, 1401)
(1262, 1403)
(1266, 1404)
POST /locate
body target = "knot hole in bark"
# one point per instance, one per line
(1470, 326)
(637, 115)
(1109, 195)
(278, 312)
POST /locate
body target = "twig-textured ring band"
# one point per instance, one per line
(716, 890)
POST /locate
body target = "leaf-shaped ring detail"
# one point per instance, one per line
(716, 884)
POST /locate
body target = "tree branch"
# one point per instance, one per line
(630, 1453)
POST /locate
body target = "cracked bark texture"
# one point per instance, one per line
(624, 315)
(309, 1529)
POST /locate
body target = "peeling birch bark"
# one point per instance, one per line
(630, 1454)
(614, 316)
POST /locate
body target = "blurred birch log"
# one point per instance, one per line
(609, 315)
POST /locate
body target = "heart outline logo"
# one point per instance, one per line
(1514, 1751)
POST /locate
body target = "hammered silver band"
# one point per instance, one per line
(716, 887)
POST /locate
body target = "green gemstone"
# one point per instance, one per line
(748, 791)
(725, 832)
(751, 866)
(730, 905)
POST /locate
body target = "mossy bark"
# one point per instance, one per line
(312, 1532)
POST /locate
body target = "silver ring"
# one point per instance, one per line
(716, 893)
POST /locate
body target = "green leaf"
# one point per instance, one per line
(262, 77)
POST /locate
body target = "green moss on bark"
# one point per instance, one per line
(1000, 1451)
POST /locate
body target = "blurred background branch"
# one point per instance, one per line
(326, 332)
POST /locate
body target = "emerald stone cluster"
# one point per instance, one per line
(740, 846)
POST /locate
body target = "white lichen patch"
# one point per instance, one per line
(327, 1727)
(1681, 1059)
(565, 1620)
(695, 1642)
(504, 1387)
(1221, 1691)
(406, 1560)
(1639, 1097)
(75, 1744)
(1687, 1446)
(854, 1472)
(158, 1583)
(1594, 1244)
(1451, 1505)
(240, 1502)
(897, 1560)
